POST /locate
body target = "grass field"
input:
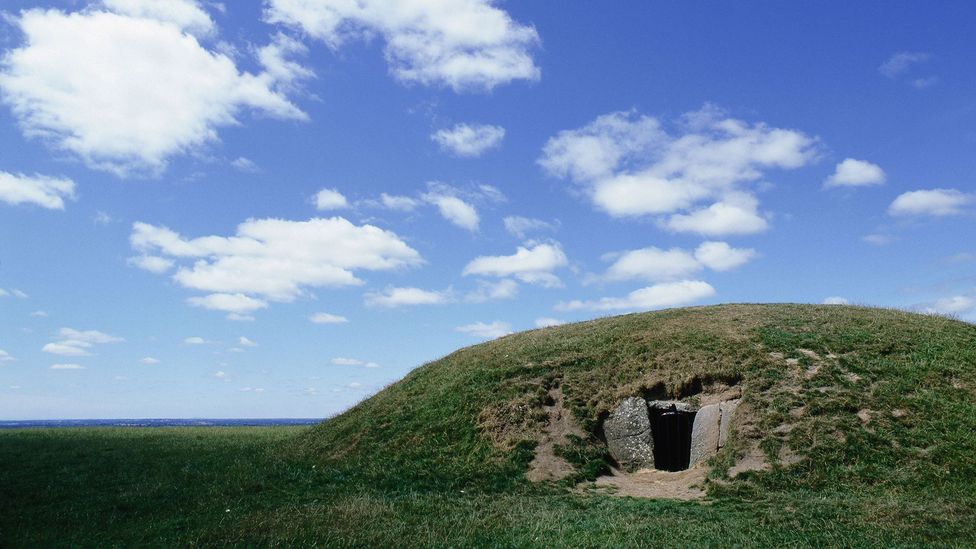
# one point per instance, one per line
(439, 458)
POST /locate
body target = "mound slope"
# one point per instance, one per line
(829, 398)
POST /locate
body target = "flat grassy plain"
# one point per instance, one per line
(439, 458)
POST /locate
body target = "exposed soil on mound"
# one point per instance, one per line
(754, 460)
(651, 483)
(546, 465)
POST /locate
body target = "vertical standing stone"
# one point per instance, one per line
(628, 434)
(705, 433)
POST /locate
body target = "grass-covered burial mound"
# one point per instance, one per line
(734, 424)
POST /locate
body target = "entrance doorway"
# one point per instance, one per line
(671, 430)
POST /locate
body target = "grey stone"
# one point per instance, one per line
(628, 434)
(725, 423)
(665, 405)
(705, 433)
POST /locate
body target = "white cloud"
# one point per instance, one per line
(78, 342)
(490, 291)
(274, 259)
(39, 314)
(239, 304)
(43, 191)
(836, 300)
(639, 194)
(67, 348)
(855, 173)
(485, 330)
(464, 44)
(401, 203)
(220, 374)
(934, 202)
(67, 367)
(900, 62)
(595, 151)
(149, 361)
(490, 193)
(129, 109)
(533, 265)
(279, 68)
(89, 336)
(631, 165)
(397, 297)
(330, 199)
(519, 226)
(877, 239)
(954, 305)
(185, 14)
(102, 218)
(195, 340)
(326, 318)
(469, 140)
(732, 217)
(456, 205)
(341, 361)
(719, 256)
(666, 294)
(651, 264)
(654, 264)
(151, 263)
(545, 322)
(246, 342)
(19, 294)
(454, 209)
(245, 165)
(5, 356)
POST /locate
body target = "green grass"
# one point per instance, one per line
(439, 457)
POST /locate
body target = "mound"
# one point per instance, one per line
(789, 397)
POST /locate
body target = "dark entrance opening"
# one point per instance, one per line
(671, 430)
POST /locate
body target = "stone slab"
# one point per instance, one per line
(666, 405)
(628, 434)
(705, 433)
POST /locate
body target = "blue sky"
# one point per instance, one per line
(275, 210)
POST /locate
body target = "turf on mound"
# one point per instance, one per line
(833, 398)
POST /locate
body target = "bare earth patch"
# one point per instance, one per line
(719, 393)
(651, 483)
(754, 460)
(546, 465)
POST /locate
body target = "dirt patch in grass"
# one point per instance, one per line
(651, 483)
(754, 460)
(546, 465)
